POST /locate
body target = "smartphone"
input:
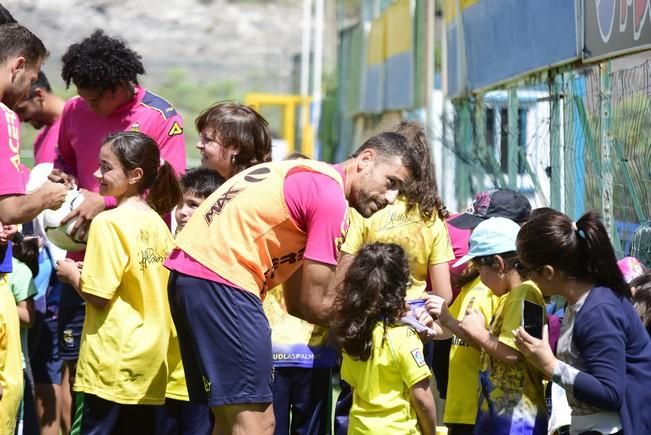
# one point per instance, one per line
(533, 319)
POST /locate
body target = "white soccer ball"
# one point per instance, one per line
(60, 235)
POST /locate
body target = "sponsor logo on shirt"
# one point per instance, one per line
(252, 176)
(175, 130)
(290, 258)
(13, 138)
(418, 357)
(221, 202)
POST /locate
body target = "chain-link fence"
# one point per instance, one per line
(572, 140)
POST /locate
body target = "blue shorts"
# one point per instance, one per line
(71, 322)
(177, 417)
(96, 416)
(225, 342)
(44, 348)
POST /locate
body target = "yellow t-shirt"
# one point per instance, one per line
(123, 351)
(381, 385)
(176, 389)
(517, 394)
(425, 243)
(463, 378)
(11, 370)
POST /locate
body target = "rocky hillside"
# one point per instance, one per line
(251, 42)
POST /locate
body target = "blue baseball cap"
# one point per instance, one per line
(492, 236)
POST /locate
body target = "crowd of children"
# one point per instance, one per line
(359, 265)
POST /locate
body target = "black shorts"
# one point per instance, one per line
(179, 417)
(97, 416)
(225, 342)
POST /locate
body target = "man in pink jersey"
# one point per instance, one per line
(105, 72)
(21, 55)
(271, 224)
(42, 109)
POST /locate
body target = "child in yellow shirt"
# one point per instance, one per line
(179, 416)
(382, 359)
(122, 367)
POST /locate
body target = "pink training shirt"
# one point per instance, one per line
(45, 145)
(82, 133)
(12, 180)
(314, 203)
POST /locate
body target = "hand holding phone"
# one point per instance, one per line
(414, 323)
(533, 319)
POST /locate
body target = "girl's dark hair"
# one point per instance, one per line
(424, 193)
(540, 211)
(582, 249)
(239, 127)
(137, 150)
(202, 182)
(642, 298)
(25, 249)
(373, 289)
(101, 63)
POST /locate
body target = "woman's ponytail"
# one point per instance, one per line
(598, 254)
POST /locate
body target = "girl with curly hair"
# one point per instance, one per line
(382, 359)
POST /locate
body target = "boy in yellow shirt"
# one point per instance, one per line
(179, 416)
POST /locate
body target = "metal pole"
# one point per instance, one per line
(555, 148)
(512, 138)
(317, 73)
(306, 42)
(480, 139)
(428, 58)
(606, 146)
(570, 145)
(448, 166)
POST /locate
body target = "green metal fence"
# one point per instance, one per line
(574, 140)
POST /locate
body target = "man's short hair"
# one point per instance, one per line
(389, 145)
(17, 40)
(41, 83)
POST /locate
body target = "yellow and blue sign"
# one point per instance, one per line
(493, 41)
(389, 77)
